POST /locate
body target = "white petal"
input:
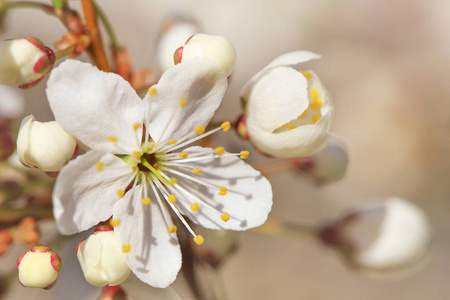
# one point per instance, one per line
(201, 82)
(155, 256)
(83, 195)
(278, 97)
(137, 290)
(248, 200)
(291, 59)
(94, 105)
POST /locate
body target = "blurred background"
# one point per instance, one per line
(385, 64)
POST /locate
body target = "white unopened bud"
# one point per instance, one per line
(101, 259)
(216, 47)
(24, 62)
(39, 268)
(393, 235)
(46, 145)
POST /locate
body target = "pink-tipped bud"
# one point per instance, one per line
(216, 47)
(101, 259)
(24, 62)
(112, 293)
(39, 268)
(46, 145)
(241, 127)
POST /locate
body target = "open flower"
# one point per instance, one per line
(287, 110)
(140, 166)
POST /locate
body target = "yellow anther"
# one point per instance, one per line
(314, 94)
(223, 191)
(137, 155)
(183, 154)
(226, 125)
(99, 166)
(114, 222)
(136, 126)
(197, 171)
(199, 239)
(316, 104)
(172, 199)
(126, 248)
(195, 206)
(244, 154)
(120, 193)
(172, 141)
(113, 139)
(182, 102)
(316, 118)
(225, 217)
(172, 229)
(288, 125)
(220, 151)
(306, 74)
(153, 91)
(199, 130)
(173, 181)
(303, 115)
(146, 201)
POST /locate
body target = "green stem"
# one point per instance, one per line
(29, 4)
(276, 227)
(64, 52)
(109, 29)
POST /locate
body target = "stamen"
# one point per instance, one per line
(164, 212)
(197, 171)
(126, 248)
(306, 74)
(182, 102)
(195, 206)
(172, 180)
(172, 229)
(225, 217)
(190, 141)
(303, 115)
(220, 151)
(289, 125)
(223, 191)
(99, 166)
(114, 222)
(136, 126)
(153, 91)
(199, 240)
(183, 154)
(146, 201)
(172, 199)
(113, 139)
(316, 118)
(244, 154)
(172, 141)
(316, 104)
(314, 94)
(137, 155)
(226, 126)
(199, 130)
(120, 193)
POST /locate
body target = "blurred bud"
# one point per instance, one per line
(24, 62)
(143, 79)
(101, 259)
(44, 145)
(174, 33)
(241, 127)
(78, 40)
(39, 268)
(112, 293)
(390, 236)
(12, 102)
(216, 47)
(27, 232)
(217, 245)
(5, 241)
(328, 165)
(7, 145)
(287, 110)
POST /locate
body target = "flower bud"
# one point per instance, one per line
(326, 166)
(24, 62)
(101, 259)
(175, 32)
(287, 110)
(390, 236)
(216, 47)
(44, 145)
(38, 267)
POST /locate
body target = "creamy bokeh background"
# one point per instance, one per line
(384, 62)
